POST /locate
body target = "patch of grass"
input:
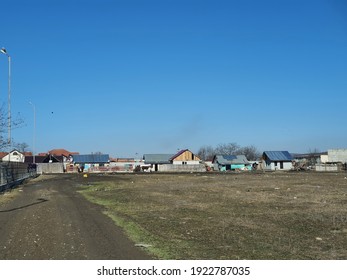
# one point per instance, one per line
(9, 195)
(230, 216)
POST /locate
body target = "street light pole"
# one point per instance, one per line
(4, 51)
(34, 108)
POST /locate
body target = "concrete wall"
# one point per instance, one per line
(50, 168)
(327, 167)
(337, 155)
(182, 168)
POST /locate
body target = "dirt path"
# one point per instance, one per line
(50, 220)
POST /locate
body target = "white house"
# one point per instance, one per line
(277, 160)
(14, 156)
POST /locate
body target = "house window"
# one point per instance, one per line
(276, 163)
(184, 162)
(281, 165)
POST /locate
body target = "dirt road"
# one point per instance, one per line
(49, 219)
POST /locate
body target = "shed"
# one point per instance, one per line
(277, 160)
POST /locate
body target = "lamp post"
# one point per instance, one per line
(4, 51)
(34, 108)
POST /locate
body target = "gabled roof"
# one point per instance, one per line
(157, 158)
(278, 155)
(230, 159)
(180, 153)
(38, 159)
(43, 159)
(92, 158)
(61, 152)
(3, 154)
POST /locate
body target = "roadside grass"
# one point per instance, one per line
(229, 216)
(9, 195)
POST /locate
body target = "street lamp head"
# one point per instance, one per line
(4, 51)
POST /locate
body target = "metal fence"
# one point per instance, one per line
(13, 173)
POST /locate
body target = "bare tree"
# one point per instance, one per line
(227, 149)
(250, 152)
(206, 153)
(16, 122)
(313, 154)
(21, 147)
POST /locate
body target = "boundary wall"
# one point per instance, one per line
(14, 173)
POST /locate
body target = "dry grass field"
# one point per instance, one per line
(284, 215)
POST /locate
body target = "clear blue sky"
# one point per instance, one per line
(125, 77)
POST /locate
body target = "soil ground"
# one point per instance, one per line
(272, 215)
(47, 219)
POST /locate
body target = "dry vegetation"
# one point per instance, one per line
(284, 215)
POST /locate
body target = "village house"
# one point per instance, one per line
(185, 157)
(62, 152)
(277, 160)
(13, 156)
(230, 162)
(182, 161)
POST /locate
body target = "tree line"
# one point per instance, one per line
(207, 152)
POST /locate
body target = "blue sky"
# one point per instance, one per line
(126, 77)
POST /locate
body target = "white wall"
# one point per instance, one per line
(179, 162)
(326, 167)
(14, 157)
(337, 155)
(182, 168)
(324, 158)
(286, 166)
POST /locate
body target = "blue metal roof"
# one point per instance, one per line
(93, 158)
(229, 157)
(278, 155)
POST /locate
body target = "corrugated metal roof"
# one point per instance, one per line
(278, 155)
(93, 158)
(157, 158)
(230, 159)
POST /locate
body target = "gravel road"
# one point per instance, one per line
(49, 219)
